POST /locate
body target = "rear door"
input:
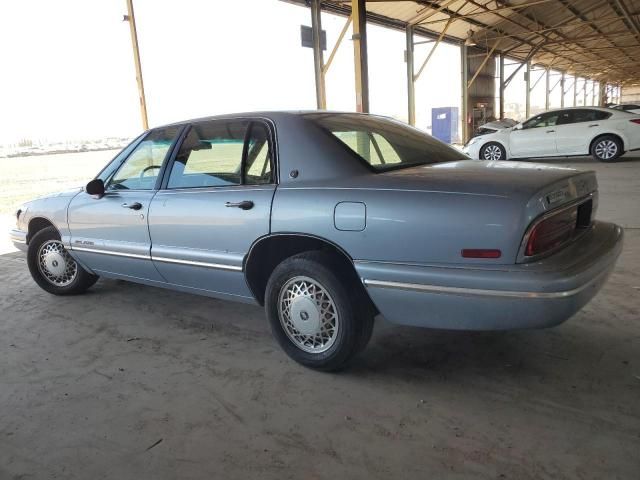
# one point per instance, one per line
(576, 131)
(215, 202)
(536, 138)
(110, 234)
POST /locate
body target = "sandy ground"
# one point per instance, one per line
(130, 382)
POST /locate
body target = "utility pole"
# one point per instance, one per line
(130, 17)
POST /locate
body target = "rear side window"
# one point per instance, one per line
(384, 144)
(585, 115)
(210, 155)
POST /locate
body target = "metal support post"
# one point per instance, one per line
(546, 89)
(136, 58)
(501, 86)
(562, 91)
(411, 85)
(318, 61)
(465, 92)
(358, 11)
(527, 103)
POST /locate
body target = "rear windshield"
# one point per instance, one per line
(385, 144)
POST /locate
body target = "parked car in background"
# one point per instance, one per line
(628, 107)
(494, 126)
(327, 219)
(603, 133)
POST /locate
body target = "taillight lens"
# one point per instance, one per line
(553, 231)
(635, 120)
(550, 233)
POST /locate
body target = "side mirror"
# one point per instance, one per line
(95, 187)
(517, 127)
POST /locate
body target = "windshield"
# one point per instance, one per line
(385, 144)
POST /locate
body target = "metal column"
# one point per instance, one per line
(318, 61)
(584, 93)
(411, 85)
(465, 92)
(136, 58)
(359, 13)
(501, 86)
(527, 104)
(546, 90)
(575, 90)
(562, 91)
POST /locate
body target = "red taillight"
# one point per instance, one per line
(481, 253)
(635, 120)
(551, 232)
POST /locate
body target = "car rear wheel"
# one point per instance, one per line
(315, 316)
(607, 148)
(52, 268)
(493, 151)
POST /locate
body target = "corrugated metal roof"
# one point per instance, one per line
(599, 39)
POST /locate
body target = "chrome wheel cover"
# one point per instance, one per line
(55, 264)
(606, 149)
(308, 314)
(492, 152)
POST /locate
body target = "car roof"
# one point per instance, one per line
(269, 114)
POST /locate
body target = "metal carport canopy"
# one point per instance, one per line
(598, 39)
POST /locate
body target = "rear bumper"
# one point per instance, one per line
(535, 295)
(19, 239)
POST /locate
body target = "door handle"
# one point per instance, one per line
(244, 205)
(594, 125)
(550, 131)
(132, 206)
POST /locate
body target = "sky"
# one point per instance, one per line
(68, 71)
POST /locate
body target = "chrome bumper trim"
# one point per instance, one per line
(414, 287)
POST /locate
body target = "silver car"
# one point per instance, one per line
(328, 219)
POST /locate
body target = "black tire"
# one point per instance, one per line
(70, 284)
(491, 149)
(353, 309)
(607, 148)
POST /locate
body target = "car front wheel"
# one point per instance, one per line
(317, 320)
(607, 148)
(52, 268)
(493, 151)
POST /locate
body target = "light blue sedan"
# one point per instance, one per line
(328, 219)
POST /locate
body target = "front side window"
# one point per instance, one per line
(384, 144)
(210, 155)
(141, 168)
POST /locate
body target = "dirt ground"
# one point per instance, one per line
(131, 382)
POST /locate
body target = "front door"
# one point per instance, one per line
(215, 202)
(537, 137)
(110, 234)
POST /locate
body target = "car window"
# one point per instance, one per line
(384, 143)
(543, 120)
(141, 168)
(586, 115)
(210, 155)
(259, 157)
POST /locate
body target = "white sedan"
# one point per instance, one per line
(602, 132)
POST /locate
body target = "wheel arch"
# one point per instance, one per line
(269, 251)
(37, 224)
(607, 134)
(498, 142)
